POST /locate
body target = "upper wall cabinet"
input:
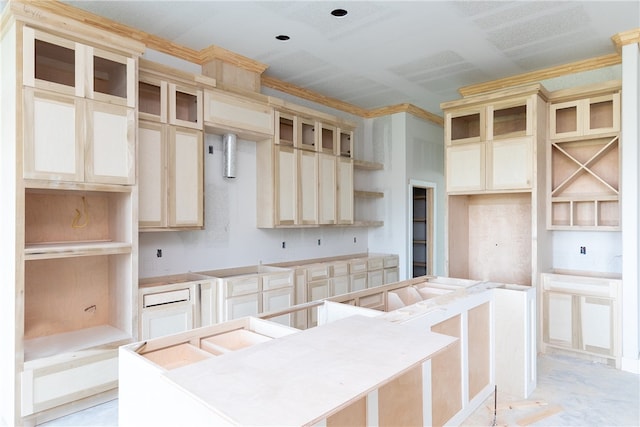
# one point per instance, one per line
(584, 158)
(585, 117)
(64, 66)
(79, 115)
(170, 132)
(490, 144)
(250, 119)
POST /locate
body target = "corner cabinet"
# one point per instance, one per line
(70, 244)
(170, 131)
(305, 173)
(584, 156)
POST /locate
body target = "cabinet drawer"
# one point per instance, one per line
(242, 306)
(315, 272)
(358, 266)
(339, 269)
(390, 261)
(276, 281)
(375, 301)
(68, 378)
(375, 263)
(242, 285)
(162, 298)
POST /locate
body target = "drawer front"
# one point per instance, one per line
(83, 375)
(166, 319)
(390, 261)
(162, 298)
(237, 307)
(375, 263)
(339, 269)
(277, 280)
(375, 301)
(357, 266)
(242, 285)
(316, 272)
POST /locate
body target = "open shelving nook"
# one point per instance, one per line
(422, 230)
(585, 184)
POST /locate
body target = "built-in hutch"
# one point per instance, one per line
(69, 176)
(495, 179)
(170, 148)
(584, 158)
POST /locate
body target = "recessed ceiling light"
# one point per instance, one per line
(283, 37)
(339, 12)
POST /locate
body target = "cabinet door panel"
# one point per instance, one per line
(152, 175)
(327, 188)
(278, 300)
(237, 307)
(596, 316)
(208, 293)
(340, 285)
(465, 167)
(358, 281)
(345, 191)
(559, 319)
(375, 278)
(53, 136)
(511, 164)
(110, 151)
(185, 177)
(166, 319)
(111, 77)
(286, 177)
(308, 187)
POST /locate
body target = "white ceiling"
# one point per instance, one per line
(387, 52)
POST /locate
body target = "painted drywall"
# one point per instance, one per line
(603, 251)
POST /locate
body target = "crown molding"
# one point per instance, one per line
(626, 37)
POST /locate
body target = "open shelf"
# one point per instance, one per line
(584, 184)
(368, 194)
(93, 337)
(74, 249)
(365, 165)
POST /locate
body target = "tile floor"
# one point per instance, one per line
(586, 394)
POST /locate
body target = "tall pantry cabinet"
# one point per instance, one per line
(495, 174)
(69, 230)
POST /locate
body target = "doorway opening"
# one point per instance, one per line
(422, 230)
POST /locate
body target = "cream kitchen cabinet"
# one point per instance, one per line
(327, 188)
(79, 108)
(308, 181)
(581, 314)
(587, 116)
(170, 133)
(345, 192)
(249, 118)
(490, 146)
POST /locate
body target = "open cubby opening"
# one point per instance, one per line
(286, 131)
(307, 135)
(72, 294)
(53, 217)
(467, 126)
(54, 63)
(561, 213)
(567, 119)
(149, 98)
(109, 77)
(186, 107)
(345, 144)
(510, 121)
(328, 139)
(601, 115)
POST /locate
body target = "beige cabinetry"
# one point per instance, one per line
(170, 132)
(248, 118)
(305, 174)
(177, 303)
(69, 133)
(249, 291)
(489, 147)
(79, 111)
(495, 161)
(581, 314)
(584, 158)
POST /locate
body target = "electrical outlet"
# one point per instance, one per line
(211, 149)
(354, 239)
(284, 245)
(583, 250)
(318, 242)
(159, 253)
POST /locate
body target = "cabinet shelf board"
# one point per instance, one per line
(38, 184)
(365, 165)
(368, 194)
(104, 336)
(74, 249)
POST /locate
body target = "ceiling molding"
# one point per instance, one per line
(626, 37)
(406, 108)
(310, 95)
(216, 52)
(547, 73)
